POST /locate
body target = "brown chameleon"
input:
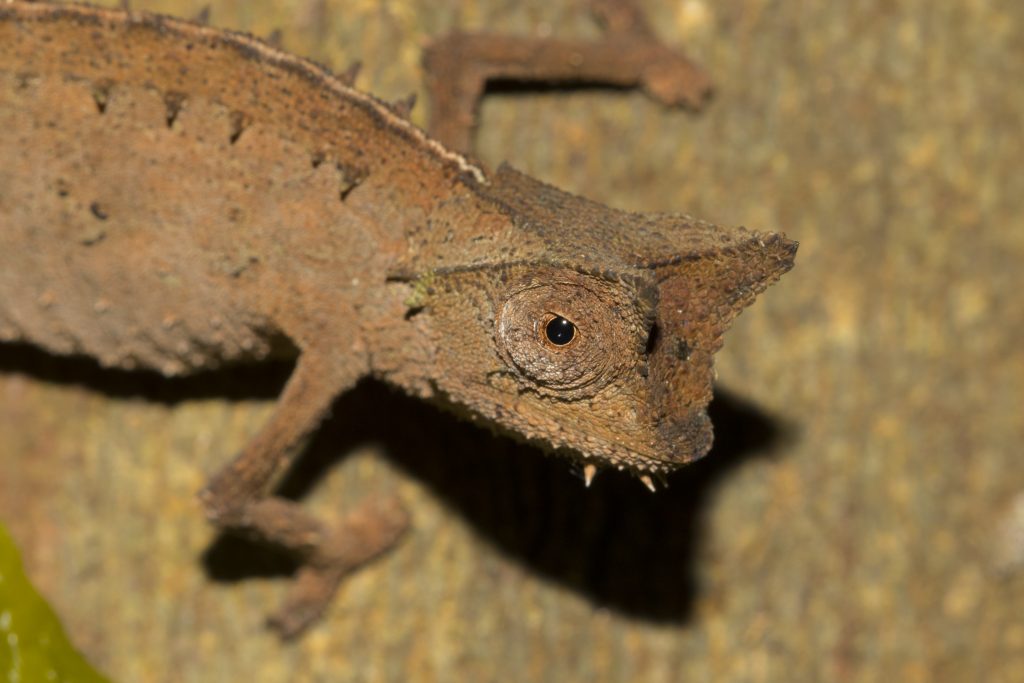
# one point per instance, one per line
(178, 197)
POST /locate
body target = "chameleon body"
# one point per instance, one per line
(178, 197)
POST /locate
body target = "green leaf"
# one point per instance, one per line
(33, 645)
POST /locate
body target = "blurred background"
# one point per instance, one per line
(861, 517)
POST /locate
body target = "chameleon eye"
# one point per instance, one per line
(560, 331)
(568, 337)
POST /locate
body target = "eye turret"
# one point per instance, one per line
(569, 335)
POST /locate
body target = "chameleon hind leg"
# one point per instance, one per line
(459, 65)
(238, 498)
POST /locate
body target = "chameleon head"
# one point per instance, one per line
(600, 346)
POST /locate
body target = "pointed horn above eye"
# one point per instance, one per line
(722, 281)
(777, 253)
(758, 263)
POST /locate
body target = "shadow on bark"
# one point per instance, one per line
(616, 543)
(262, 381)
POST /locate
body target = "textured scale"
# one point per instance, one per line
(232, 191)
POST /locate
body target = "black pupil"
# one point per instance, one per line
(560, 331)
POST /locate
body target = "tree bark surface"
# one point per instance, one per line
(854, 520)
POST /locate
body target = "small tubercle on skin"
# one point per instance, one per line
(239, 122)
(203, 16)
(101, 96)
(173, 102)
(404, 106)
(589, 472)
(349, 76)
(648, 482)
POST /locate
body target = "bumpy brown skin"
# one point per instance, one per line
(177, 197)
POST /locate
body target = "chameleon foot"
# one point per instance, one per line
(367, 532)
(308, 597)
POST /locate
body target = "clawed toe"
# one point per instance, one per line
(306, 601)
(366, 532)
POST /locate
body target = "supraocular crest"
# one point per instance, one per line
(600, 347)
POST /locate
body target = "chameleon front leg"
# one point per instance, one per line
(239, 497)
(459, 65)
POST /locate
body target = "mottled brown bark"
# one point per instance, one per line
(843, 528)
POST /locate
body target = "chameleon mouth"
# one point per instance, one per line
(652, 472)
(691, 437)
(646, 470)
